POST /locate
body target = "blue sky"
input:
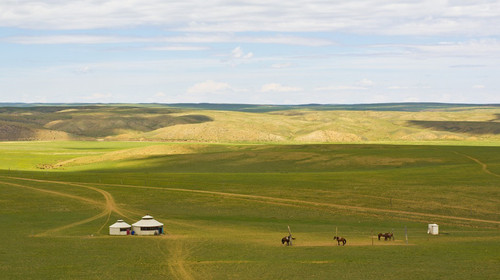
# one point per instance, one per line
(259, 52)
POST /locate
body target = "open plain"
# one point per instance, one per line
(227, 202)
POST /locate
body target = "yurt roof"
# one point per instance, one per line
(147, 221)
(120, 224)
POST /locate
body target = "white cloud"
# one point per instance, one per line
(275, 87)
(71, 39)
(190, 38)
(238, 53)
(281, 65)
(328, 88)
(177, 48)
(411, 17)
(396, 87)
(83, 70)
(209, 86)
(471, 48)
(237, 56)
(408, 99)
(479, 86)
(99, 97)
(365, 83)
(468, 48)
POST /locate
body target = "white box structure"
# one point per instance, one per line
(433, 229)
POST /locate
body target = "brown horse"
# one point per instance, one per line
(387, 235)
(287, 240)
(339, 240)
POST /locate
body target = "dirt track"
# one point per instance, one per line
(175, 261)
(305, 203)
(483, 165)
(109, 206)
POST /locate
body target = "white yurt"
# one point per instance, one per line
(120, 228)
(147, 226)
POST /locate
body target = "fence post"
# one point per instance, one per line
(406, 235)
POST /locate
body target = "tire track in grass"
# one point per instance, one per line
(306, 203)
(287, 201)
(276, 200)
(483, 165)
(83, 199)
(109, 204)
(175, 261)
(420, 203)
(331, 205)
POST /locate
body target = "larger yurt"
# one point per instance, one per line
(120, 228)
(147, 226)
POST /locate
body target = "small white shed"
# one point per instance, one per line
(147, 226)
(120, 228)
(433, 229)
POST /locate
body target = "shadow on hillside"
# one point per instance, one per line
(87, 122)
(469, 127)
(102, 126)
(16, 132)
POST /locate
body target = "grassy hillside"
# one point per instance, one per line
(86, 122)
(254, 123)
(226, 208)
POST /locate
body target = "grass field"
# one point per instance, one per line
(226, 207)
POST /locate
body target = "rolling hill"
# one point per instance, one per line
(240, 123)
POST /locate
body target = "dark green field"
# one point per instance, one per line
(226, 208)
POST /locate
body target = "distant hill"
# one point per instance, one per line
(86, 122)
(311, 123)
(409, 107)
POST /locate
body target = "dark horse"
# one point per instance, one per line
(340, 239)
(387, 235)
(287, 240)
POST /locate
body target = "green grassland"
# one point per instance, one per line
(226, 207)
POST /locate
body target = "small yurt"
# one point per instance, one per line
(120, 228)
(433, 229)
(147, 226)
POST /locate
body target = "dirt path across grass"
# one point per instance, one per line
(109, 204)
(483, 165)
(81, 198)
(423, 203)
(306, 203)
(174, 260)
(177, 261)
(331, 205)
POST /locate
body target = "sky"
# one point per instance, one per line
(253, 52)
